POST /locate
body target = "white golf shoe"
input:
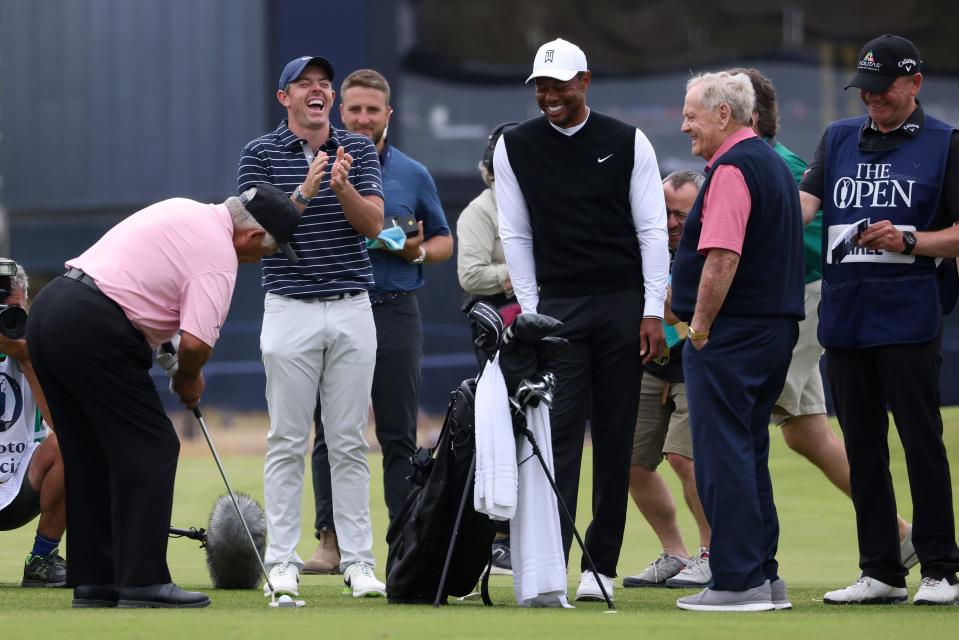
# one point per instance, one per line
(933, 591)
(866, 590)
(285, 578)
(589, 590)
(361, 582)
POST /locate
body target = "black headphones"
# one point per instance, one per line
(494, 135)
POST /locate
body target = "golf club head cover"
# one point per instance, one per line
(168, 361)
(488, 325)
(229, 556)
(519, 351)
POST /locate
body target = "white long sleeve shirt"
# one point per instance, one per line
(649, 218)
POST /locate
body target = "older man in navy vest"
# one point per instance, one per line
(894, 174)
(738, 282)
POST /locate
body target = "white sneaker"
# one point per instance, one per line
(866, 590)
(932, 591)
(361, 582)
(695, 574)
(589, 590)
(285, 578)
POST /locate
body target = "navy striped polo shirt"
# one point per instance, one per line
(332, 253)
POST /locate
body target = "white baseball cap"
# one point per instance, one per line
(558, 59)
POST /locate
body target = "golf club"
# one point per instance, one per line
(284, 601)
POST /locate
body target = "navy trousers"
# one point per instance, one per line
(396, 393)
(732, 384)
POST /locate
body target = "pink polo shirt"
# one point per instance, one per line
(170, 266)
(726, 203)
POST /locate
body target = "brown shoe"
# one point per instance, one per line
(326, 560)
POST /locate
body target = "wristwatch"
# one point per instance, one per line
(694, 335)
(420, 259)
(909, 242)
(299, 197)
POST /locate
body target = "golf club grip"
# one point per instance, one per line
(168, 347)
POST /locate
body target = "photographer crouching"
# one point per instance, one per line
(31, 469)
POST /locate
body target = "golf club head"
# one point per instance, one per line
(229, 557)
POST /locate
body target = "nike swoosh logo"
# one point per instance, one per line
(604, 159)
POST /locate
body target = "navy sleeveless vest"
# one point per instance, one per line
(873, 298)
(769, 281)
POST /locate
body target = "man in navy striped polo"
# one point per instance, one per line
(318, 332)
(413, 204)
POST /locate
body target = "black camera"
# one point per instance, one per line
(13, 320)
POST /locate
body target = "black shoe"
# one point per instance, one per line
(45, 571)
(95, 596)
(161, 596)
(502, 562)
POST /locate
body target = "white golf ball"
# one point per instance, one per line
(285, 598)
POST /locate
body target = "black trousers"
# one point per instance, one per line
(904, 378)
(597, 378)
(119, 448)
(396, 393)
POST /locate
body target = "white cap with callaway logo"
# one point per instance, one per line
(558, 59)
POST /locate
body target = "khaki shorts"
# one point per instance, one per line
(661, 427)
(803, 394)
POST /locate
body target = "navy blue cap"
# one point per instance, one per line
(295, 67)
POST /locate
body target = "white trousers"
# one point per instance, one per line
(330, 347)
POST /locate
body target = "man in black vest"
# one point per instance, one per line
(738, 282)
(880, 319)
(583, 225)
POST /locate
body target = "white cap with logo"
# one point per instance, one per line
(558, 59)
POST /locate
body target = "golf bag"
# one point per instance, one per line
(229, 557)
(419, 537)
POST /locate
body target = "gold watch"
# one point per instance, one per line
(697, 335)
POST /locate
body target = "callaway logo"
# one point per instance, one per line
(908, 63)
(549, 55)
(604, 159)
(869, 62)
(911, 127)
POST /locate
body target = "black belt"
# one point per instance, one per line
(338, 296)
(387, 296)
(79, 276)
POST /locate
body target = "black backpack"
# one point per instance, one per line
(419, 537)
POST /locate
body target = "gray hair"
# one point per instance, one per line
(19, 281)
(679, 179)
(736, 91)
(243, 219)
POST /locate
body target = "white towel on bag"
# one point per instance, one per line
(495, 483)
(536, 542)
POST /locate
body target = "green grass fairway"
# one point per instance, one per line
(817, 553)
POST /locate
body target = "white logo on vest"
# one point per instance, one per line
(872, 187)
(9, 414)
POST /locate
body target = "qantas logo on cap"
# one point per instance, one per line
(907, 63)
(869, 62)
(549, 55)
